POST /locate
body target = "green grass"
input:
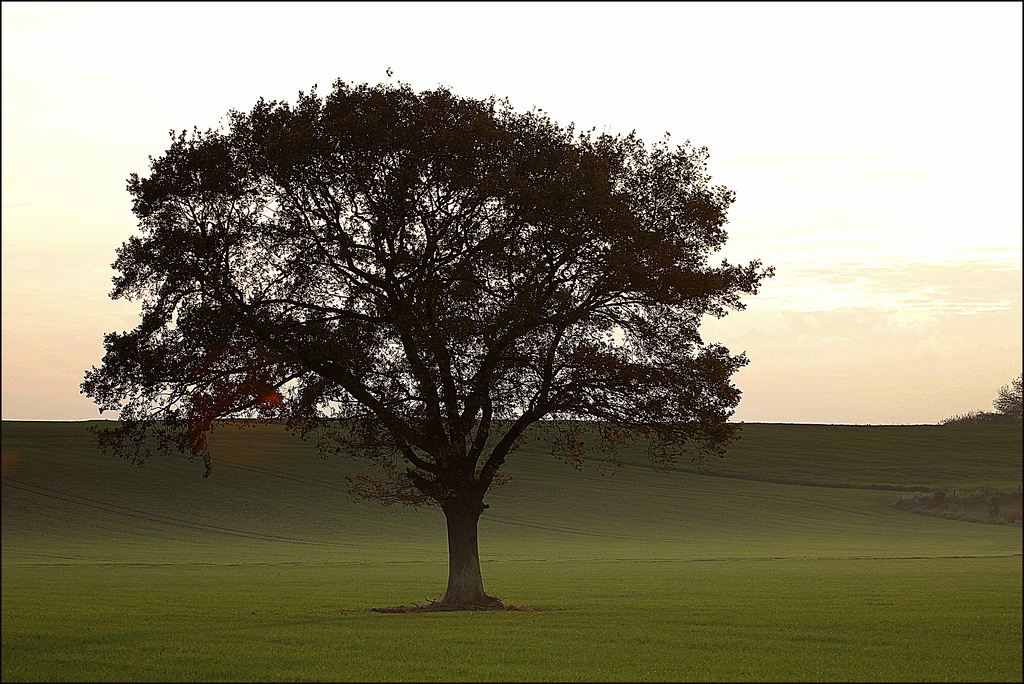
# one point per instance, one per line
(265, 571)
(919, 620)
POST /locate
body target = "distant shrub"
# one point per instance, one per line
(993, 506)
(1008, 406)
(934, 501)
(1011, 517)
(990, 505)
(1010, 400)
(981, 418)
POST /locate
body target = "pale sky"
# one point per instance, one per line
(875, 150)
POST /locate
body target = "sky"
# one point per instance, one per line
(875, 151)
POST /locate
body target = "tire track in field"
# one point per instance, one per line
(808, 502)
(571, 530)
(182, 523)
(263, 470)
(272, 472)
(808, 509)
(326, 484)
(318, 482)
(284, 475)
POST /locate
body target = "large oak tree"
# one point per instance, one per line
(416, 278)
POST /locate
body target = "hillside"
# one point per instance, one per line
(272, 498)
(266, 572)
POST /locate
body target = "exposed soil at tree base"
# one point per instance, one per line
(438, 608)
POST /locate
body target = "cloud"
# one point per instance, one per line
(903, 321)
(909, 292)
(869, 178)
(849, 366)
(941, 347)
(833, 258)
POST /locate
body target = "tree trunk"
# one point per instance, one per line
(465, 584)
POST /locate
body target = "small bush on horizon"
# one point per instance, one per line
(1008, 405)
(980, 418)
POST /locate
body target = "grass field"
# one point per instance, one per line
(265, 571)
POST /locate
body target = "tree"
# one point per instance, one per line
(1010, 399)
(415, 279)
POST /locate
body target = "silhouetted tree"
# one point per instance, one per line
(416, 279)
(1010, 399)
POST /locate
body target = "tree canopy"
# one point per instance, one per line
(1010, 399)
(416, 278)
